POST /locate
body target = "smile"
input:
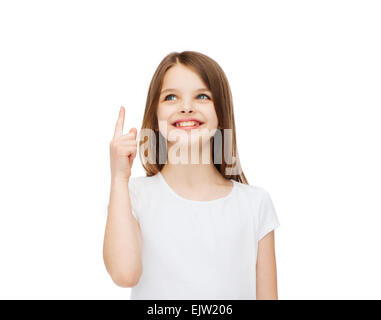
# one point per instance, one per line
(187, 124)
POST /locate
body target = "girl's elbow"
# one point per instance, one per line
(125, 280)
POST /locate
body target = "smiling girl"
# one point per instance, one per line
(191, 228)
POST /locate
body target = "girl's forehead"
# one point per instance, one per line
(182, 82)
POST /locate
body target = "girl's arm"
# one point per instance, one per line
(122, 240)
(266, 272)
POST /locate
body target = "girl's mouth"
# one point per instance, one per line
(187, 125)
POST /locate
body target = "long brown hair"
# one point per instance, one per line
(215, 79)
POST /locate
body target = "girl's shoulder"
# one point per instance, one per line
(140, 179)
(255, 197)
(138, 183)
(252, 191)
(260, 202)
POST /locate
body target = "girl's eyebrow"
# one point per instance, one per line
(170, 89)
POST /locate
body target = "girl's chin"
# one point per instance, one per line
(182, 144)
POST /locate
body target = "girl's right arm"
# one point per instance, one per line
(122, 240)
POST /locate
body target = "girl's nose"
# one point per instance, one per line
(186, 109)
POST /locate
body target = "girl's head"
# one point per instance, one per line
(190, 85)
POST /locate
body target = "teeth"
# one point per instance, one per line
(186, 124)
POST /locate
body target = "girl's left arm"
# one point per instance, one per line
(266, 273)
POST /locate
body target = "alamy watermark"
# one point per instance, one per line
(182, 146)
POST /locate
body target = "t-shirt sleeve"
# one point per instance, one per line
(268, 219)
(134, 197)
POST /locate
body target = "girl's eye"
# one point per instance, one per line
(170, 95)
(202, 94)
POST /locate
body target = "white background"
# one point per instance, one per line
(305, 78)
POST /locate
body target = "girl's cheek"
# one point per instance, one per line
(164, 112)
(211, 116)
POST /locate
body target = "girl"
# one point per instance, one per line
(190, 228)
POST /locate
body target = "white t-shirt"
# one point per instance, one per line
(199, 249)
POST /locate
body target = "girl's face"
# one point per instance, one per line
(184, 96)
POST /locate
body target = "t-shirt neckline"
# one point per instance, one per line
(167, 186)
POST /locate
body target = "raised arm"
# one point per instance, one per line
(122, 239)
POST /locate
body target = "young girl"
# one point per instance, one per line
(189, 229)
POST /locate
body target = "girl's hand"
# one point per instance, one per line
(123, 148)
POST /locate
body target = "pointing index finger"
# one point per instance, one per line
(120, 123)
